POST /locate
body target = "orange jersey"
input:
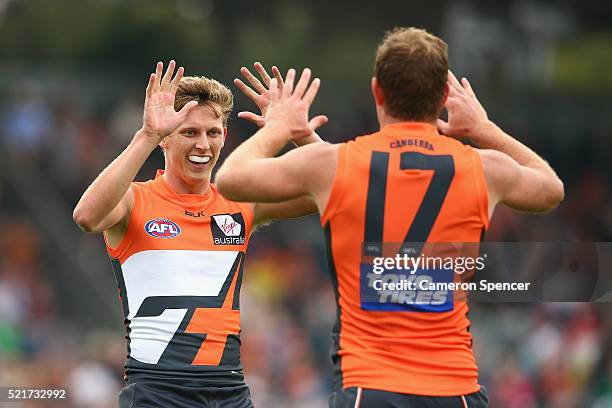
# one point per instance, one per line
(179, 271)
(404, 184)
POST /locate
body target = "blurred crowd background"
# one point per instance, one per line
(73, 78)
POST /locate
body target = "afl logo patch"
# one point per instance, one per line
(162, 228)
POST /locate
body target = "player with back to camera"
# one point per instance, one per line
(412, 181)
(177, 246)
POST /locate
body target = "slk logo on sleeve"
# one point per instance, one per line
(162, 228)
(228, 229)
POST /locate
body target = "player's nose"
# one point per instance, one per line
(202, 143)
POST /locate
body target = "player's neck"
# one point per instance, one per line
(384, 120)
(180, 187)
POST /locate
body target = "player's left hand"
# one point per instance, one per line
(465, 112)
(289, 106)
(259, 93)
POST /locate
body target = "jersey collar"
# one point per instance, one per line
(426, 128)
(188, 199)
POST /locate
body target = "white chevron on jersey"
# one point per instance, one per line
(168, 273)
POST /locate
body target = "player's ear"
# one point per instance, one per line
(224, 135)
(446, 91)
(377, 92)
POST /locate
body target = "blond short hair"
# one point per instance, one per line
(205, 91)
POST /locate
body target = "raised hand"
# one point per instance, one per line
(289, 106)
(464, 110)
(160, 119)
(259, 93)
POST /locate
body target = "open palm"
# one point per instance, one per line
(160, 119)
(289, 106)
(260, 93)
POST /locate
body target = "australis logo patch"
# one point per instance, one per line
(162, 228)
(227, 229)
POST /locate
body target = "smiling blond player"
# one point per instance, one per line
(177, 246)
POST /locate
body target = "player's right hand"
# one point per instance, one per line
(160, 119)
(289, 106)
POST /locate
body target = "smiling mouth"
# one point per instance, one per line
(199, 160)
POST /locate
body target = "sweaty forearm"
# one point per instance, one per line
(107, 190)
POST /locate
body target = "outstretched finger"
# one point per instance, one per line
(468, 87)
(158, 74)
(246, 90)
(288, 87)
(150, 85)
(279, 78)
(452, 80)
(177, 78)
(262, 73)
(311, 93)
(189, 106)
(300, 88)
(317, 122)
(252, 117)
(168, 75)
(252, 79)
